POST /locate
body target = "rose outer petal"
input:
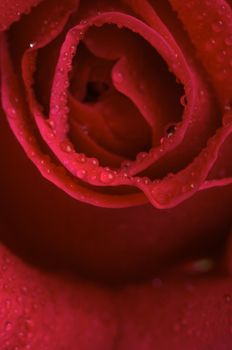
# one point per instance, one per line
(43, 311)
(11, 10)
(189, 314)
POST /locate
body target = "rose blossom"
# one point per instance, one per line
(124, 108)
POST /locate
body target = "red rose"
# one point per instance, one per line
(126, 107)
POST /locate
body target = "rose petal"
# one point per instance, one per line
(189, 314)
(11, 11)
(167, 193)
(61, 129)
(211, 36)
(14, 104)
(115, 244)
(42, 311)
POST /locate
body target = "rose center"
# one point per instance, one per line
(123, 96)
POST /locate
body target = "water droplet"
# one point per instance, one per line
(85, 129)
(227, 298)
(146, 180)
(83, 22)
(4, 268)
(51, 123)
(126, 164)
(106, 177)
(184, 100)
(228, 41)
(8, 326)
(190, 4)
(170, 130)
(66, 146)
(120, 26)
(94, 161)
(24, 290)
(32, 45)
(217, 26)
(81, 173)
(124, 175)
(80, 33)
(210, 44)
(81, 158)
(141, 156)
(29, 323)
(19, 299)
(228, 107)
(7, 303)
(137, 179)
(118, 77)
(35, 306)
(221, 56)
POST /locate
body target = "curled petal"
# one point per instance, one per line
(11, 11)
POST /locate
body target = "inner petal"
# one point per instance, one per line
(102, 113)
(125, 95)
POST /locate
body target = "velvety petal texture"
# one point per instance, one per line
(116, 175)
(43, 311)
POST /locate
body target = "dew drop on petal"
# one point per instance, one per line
(81, 173)
(126, 164)
(32, 44)
(183, 100)
(81, 158)
(66, 146)
(170, 130)
(228, 41)
(228, 106)
(141, 156)
(94, 161)
(106, 177)
(118, 77)
(83, 22)
(8, 326)
(146, 180)
(217, 26)
(227, 298)
(24, 289)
